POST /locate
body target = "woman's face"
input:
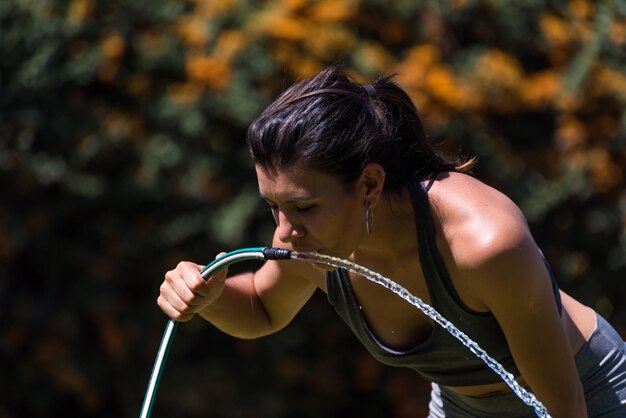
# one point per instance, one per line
(314, 212)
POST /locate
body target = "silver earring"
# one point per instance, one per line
(369, 220)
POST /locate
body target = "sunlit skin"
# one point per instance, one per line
(481, 235)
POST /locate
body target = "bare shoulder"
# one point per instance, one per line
(485, 242)
(477, 222)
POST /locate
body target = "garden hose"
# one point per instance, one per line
(255, 253)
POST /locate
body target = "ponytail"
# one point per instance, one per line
(334, 125)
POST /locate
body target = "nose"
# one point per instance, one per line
(287, 230)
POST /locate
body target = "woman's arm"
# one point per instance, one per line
(510, 278)
(247, 305)
(496, 266)
(256, 304)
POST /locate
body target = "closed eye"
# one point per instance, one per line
(305, 208)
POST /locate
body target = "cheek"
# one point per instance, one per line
(344, 226)
(344, 218)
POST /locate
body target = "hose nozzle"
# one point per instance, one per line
(276, 253)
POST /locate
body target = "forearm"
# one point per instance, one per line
(568, 412)
(239, 311)
(573, 407)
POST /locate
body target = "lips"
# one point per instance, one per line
(298, 248)
(302, 249)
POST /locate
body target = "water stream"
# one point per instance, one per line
(527, 397)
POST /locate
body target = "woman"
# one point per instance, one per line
(347, 171)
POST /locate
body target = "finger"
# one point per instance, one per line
(184, 318)
(171, 312)
(173, 298)
(189, 290)
(218, 278)
(192, 284)
(216, 257)
(205, 288)
(176, 284)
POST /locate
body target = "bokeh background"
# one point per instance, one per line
(122, 151)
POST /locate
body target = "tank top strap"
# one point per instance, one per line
(433, 267)
(431, 180)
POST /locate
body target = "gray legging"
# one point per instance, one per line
(601, 364)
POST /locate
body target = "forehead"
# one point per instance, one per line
(296, 184)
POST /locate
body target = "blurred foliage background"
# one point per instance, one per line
(122, 151)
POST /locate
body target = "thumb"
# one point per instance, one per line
(220, 276)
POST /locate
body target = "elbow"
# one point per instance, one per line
(251, 334)
(257, 329)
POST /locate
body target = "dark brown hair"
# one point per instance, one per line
(334, 125)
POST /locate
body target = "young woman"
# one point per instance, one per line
(347, 171)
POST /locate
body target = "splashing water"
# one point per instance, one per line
(527, 397)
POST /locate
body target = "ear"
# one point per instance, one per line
(371, 182)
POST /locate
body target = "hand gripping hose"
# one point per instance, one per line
(256, 253)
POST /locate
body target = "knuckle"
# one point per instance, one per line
(169, 276)
(180, 268)
(183, 309)
(187, 265)
(186, 300)
(197, 284)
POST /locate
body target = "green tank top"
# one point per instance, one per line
(441, 358)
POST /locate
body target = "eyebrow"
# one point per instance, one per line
(291, 200)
